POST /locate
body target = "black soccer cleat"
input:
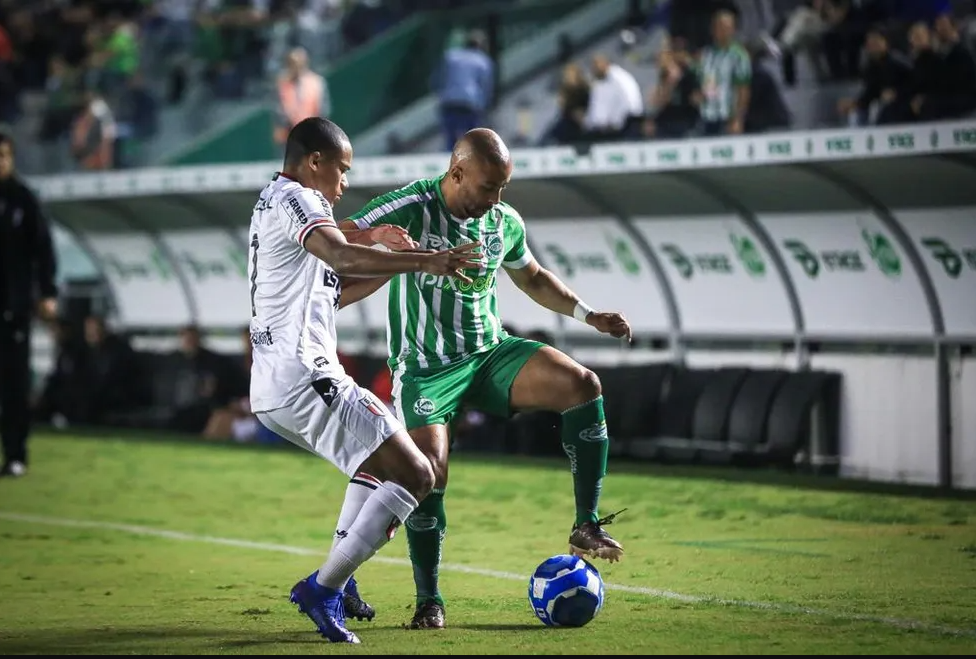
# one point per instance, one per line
(428, 615)
(354, 605)
(590, 539)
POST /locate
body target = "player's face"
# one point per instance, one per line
(480, 187)
(6, 160)
(328, 175)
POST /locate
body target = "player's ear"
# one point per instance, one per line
(457, 174)
(314, 160)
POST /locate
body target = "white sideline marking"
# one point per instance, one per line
(900, 623)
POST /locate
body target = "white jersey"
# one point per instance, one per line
(294, 296)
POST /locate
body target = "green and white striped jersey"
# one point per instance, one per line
(432, 320)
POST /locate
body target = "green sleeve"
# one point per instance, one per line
(517, 254)
(402, 207)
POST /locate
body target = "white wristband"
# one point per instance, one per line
(581, 311)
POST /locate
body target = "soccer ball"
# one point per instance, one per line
(566, 591)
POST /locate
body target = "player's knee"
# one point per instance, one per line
(419, 477)
(586, 386)
(438, 464)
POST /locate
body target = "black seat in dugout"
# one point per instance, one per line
(631, 395)
(713, 409)
(673, 442)
(749, 414)
(804, 422)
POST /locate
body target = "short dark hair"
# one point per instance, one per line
(5, 138)
(311, 135)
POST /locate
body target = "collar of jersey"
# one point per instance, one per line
(440, 199)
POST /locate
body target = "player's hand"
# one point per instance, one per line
(451, 262)
(613, 324)
(392, 237)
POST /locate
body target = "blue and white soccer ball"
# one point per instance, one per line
(566, 591)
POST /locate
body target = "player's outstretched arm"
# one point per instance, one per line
(547, 290)
(355, 289)
(330, 245)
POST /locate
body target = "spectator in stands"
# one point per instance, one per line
(202, 377)
(616, 109)
(689, 20)
(235, 419)
(93, 134)
(464, 83)
(885, 74)
(767, 107)
(844, 37)
(62, 103)
(112, 370)
(9, 90)
(957, 89)
(302, 93)
(673, 109)
(724, 76)
(573, 99)
(116, 55)
(801, 32)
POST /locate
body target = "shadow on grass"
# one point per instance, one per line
(756, 476)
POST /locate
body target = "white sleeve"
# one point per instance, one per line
(302, 211)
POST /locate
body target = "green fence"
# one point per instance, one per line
(390, 73)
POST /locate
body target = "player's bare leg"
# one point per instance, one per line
(551, 380)
(426, 528)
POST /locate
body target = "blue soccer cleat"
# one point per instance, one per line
(323, 606)
(354, 605)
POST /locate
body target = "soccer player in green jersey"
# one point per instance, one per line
(447, 346)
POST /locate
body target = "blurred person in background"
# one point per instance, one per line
(672, 103)
(28, 265)
(111, 369)
(957, 89)
(464, 83)
(302, 93)
(573, 99)
(202, 375)
(800, 31)
(768, 110)
(616, 108)
(63, 399)
(235, 419)
(93, 134)
(885, 75)
(725, 76)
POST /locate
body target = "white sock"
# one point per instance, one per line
(384, 511)
(358, 492)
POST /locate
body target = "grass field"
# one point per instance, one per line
(158, 546)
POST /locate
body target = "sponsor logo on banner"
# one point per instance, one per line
(880, 250)
(127, 268)
(720, 263)
(953, 260)
(574, 263)
(230, 264)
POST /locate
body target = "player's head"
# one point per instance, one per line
(481, 167)
(6, 156)
(318, 155)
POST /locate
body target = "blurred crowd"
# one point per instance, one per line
(99, 380)
(910, 57)
(105, 68)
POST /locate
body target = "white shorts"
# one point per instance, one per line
(343, 423)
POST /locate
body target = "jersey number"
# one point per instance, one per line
(254, 273)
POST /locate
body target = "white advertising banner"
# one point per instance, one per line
(946, 240)
(145, 285)
(215, 267)
(852, 278)
(723, 279)
(602, 264)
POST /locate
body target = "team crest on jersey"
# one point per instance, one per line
(371, 406)
(493, 245)
(423, 407)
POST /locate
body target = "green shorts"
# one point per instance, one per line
(434, 396)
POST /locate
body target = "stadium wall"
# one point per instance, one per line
(849, 250)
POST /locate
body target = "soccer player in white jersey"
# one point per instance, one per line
(297, 267)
